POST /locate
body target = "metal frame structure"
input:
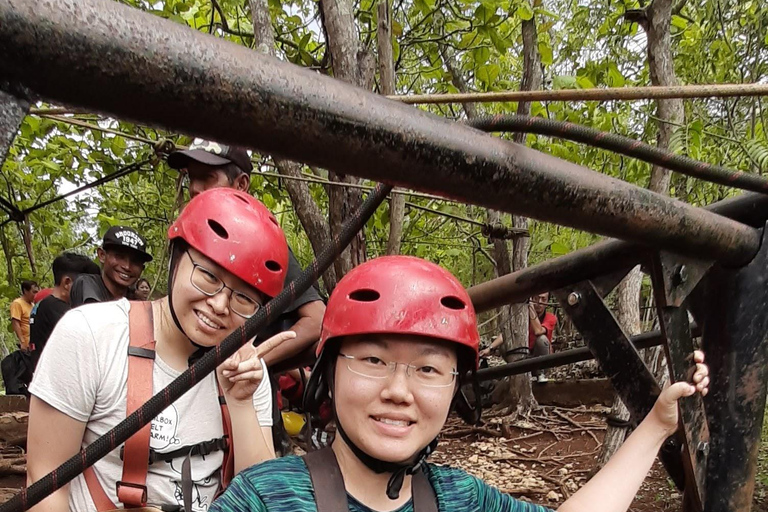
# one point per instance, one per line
(710, 261)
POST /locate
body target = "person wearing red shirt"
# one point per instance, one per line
(541, 325)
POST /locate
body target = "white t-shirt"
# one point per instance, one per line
(83, 373)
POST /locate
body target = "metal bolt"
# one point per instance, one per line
(574, 299)
(703, 448)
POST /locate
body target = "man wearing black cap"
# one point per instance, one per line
(122, 256)
(212, 165)
(208, 165)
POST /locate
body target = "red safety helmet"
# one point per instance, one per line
(238, 232)
(401, 295)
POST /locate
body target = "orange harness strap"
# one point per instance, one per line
(132, 488)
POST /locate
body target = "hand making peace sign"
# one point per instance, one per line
(241, 374)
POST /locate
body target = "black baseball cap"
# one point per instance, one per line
(122, 236)
(211, 153)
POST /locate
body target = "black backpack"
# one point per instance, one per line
(17, 373)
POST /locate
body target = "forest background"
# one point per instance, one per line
(437, 46)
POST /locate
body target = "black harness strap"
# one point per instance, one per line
(331, 495)
(200, 449)
(422, 493)
(325, 473)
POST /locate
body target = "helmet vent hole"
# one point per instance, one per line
(453, 303)
(242, 198)
(218, 229)
(274, 220)
(273, 266)
(365, 295)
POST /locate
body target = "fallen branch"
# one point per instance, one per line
(470, 431)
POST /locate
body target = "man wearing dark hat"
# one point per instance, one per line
(208, 165)
(211, 165)
(122, 256)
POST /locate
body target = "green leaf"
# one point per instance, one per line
(304, 40)
(546, 54)
(397, 28)
(564, 82)
(488, 73)
(467, 40)
(559, 248)
(497, 41)
(679, 22)
(51, 165)
(481, 55)
(615, 78)
(524, 11)
(584, 83)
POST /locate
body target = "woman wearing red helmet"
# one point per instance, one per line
(399, 337)
(228, 257)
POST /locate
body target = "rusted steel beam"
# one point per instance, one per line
(674, 279)
(596, 260)
(619, 360)
(735, 339)
(110, 58)
(611, 346)
(575, 355)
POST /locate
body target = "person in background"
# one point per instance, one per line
(123, 254)
(41, 295)
(66, 268)
(541, 325)
(142, 289)
(21, 308)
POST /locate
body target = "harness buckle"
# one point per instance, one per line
(142, 488)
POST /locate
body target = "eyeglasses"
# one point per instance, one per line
(208, 283)
(431, 375)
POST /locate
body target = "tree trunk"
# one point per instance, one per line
(26, 236)
(656, 20)
(470, 109)
(662, 71)
(516, 334)
(514, 393)
(350, 64)
(628, 316)
(307, 210)
(387, 87)
(8, 256)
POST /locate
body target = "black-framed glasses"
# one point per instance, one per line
(208, 283)
(424, 373)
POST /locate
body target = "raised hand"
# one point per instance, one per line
(241, 374)
(665, 409)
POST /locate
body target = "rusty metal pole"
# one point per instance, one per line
(735, 335)
(110, 58)
(596, 260)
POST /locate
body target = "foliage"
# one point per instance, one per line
(583, 44)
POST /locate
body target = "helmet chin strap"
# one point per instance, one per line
(398, 470)
(201, 350)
